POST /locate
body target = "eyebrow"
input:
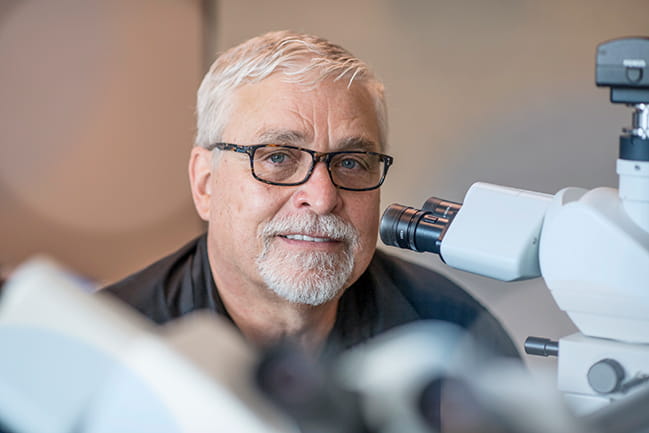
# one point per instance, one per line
(359, 143)
(296, 138)
(275, 136)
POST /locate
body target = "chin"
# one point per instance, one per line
(308, 278)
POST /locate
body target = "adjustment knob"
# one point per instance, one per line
(605, 376)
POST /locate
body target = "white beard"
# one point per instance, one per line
(311, 277)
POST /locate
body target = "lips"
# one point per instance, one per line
(307, 230)
(307, 238)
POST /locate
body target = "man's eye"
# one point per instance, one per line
(277, 157)
(348, 163)
(353, 164)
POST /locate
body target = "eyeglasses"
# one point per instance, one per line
(284, 165)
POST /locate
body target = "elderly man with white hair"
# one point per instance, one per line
(286, 170)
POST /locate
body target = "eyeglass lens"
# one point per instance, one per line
(285, 165)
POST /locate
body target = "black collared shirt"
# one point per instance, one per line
(389, 293)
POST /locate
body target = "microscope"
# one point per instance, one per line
(591, 247)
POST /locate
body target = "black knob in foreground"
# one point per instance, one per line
(303, 388)
(605, 376)
(541, 346)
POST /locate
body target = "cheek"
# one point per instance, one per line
(365, 217)
(244, 205)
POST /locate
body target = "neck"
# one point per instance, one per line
(266, 323)
(266, 319)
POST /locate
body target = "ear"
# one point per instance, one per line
(200, 178)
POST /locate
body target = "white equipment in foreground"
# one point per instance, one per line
(76, 362)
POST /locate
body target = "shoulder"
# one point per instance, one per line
(151, 289)
(422, 286)
(433, 296)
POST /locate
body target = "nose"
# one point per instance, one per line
(319, 194)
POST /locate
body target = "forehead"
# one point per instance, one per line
(328, 113)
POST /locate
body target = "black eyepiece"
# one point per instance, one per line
(416, 229)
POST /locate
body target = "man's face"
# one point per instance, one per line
(305, 242)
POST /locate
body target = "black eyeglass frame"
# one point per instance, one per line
(316, 156)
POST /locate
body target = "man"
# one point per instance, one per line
(286, 171)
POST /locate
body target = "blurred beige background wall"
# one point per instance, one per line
(96, 117)
(96, 122)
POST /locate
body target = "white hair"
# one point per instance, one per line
(293, 54)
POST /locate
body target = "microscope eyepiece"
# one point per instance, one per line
(417, 229)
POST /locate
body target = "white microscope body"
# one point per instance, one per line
(594, 257)
(590, 246)
(592, 250)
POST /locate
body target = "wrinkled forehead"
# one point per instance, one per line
(280, 111)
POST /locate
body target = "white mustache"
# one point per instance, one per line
(311, 225)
